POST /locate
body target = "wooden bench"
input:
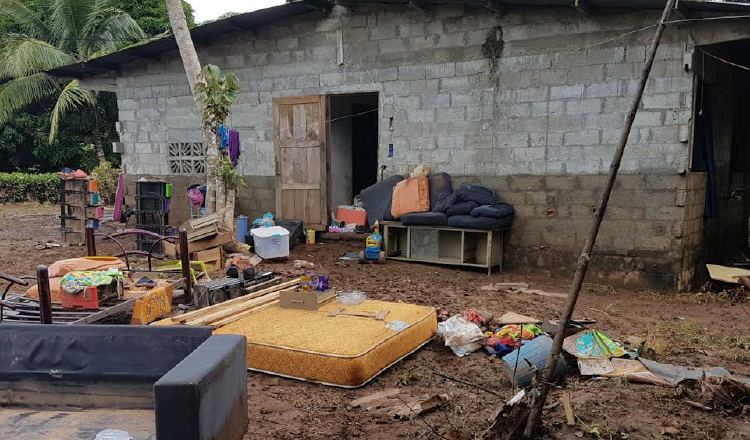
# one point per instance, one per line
(444, 245)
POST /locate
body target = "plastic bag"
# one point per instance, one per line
(462, 336)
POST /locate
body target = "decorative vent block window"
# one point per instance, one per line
(186, 158)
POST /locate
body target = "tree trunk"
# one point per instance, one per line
(193, 69)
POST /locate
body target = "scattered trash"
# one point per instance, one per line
(521, 288)
(350, 256)
(145, 282)
(47, 245)
(303, 264)
(592, 344)
(724, 394)
(377, 400)
(478, 318)
(266, 221)
(549, 294)
(507, 287)
(351, 298)
(674, 374)
(463, 337)
(419, 406)
(508, 420)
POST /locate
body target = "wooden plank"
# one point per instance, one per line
(98, 316)
(231, 319)
(570, 419)
(197, 223)
(237, 308)
(207, 310)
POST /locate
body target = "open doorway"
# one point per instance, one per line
(353, 145)
(721, 150)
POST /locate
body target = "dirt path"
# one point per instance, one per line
(690, 329)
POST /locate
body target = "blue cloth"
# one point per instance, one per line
(223, 134)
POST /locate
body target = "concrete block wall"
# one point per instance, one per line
(639, 241)
(540, 107)
(538, 120)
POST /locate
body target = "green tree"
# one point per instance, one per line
(151, 15)
(55, 33)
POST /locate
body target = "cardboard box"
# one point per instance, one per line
(294, 299)
(224, 236)
(212, 258)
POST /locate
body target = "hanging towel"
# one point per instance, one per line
(234, 146)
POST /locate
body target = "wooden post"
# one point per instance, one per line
(583, 262)
(45, 300)
(90, 243)
(185, 263)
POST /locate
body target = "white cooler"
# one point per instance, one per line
(271, 242)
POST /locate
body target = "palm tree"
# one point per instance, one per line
(55, 33)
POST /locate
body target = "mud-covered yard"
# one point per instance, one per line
(691, 329)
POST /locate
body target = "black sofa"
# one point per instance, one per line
(195, 382)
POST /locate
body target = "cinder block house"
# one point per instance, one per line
(527, 97)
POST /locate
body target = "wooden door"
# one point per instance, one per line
(301, 159)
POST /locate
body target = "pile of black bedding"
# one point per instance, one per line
(470, 206)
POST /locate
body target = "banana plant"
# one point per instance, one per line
(52, 34)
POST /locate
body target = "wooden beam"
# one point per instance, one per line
(582, 6)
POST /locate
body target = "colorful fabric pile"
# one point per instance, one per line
(76, 281)
(510, 337)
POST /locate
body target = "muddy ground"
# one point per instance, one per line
(692, 329)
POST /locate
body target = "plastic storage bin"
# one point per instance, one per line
(271, 242)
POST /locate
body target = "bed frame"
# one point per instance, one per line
(25, 310)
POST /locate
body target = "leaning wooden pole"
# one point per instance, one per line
(583, 262)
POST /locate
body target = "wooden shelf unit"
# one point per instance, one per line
(79, 206)
(444, 245)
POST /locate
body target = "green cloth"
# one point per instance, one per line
(74, 282)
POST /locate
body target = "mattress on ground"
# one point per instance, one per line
(344, 351)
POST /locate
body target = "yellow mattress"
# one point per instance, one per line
(342, 351)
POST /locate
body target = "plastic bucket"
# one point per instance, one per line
(240, 228)
(311, 236)
(535, 352)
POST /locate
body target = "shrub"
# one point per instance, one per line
(106, 175)
(21, 187)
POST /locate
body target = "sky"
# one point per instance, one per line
(212, 9)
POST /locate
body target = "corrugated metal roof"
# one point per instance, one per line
(251, 20)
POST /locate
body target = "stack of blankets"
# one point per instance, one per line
(470, 206)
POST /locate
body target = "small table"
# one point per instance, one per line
(444, 245)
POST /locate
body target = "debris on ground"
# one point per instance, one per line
(719, 393)
(392, 403)
(419, 406)
(521, 288)
(47, 245)
(461, 335)
(376, 400)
